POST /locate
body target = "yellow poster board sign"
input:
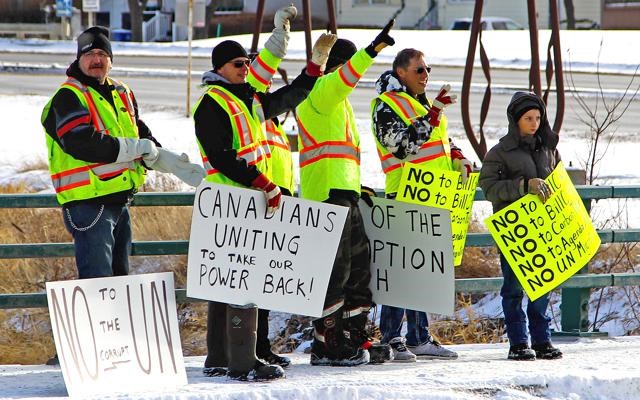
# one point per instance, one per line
(545, 244)
(441, 189)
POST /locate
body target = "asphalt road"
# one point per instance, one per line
(169, 91)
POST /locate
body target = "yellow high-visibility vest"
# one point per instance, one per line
(328, 140)
(248, 135)
(436, 151)
(75, 179)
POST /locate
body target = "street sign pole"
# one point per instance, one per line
(189, 38)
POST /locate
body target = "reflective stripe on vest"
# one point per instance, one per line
(95, 117)
(77, 177)
(261, 71)
(427, 152)
(435, 150)
(72, 179)
(281, 162)
(313, 151)
(253, 148)
(275, 137)
(349, 75)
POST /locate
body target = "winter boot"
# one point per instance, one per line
(521, 352)
(241, 347)
(546, 351)
(356, 332)
(272, 358)
(53, 361)
(263, 344)
(216, 361)
(331, 348)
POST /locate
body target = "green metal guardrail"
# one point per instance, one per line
(180, 247)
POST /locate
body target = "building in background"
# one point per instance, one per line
(36, 18)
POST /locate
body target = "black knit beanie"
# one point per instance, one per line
(340, 53)
(225, 52)
(96, 37)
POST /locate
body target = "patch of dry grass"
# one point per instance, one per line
(25, 334)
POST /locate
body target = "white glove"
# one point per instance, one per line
(282, 18)
(278, 42)
(322, 48)
(464, 166)
(132, 149)
(179, 165)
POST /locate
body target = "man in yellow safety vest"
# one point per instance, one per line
(98, 149)
(329, 146)
(409, 128)
(229, 124)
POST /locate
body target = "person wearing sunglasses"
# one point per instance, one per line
(229, 118)
(409, 128)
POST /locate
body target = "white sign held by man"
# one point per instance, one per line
(117, 334)
(239, 254)
(411, 255)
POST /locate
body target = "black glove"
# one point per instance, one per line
(366, 193)
(381, 41)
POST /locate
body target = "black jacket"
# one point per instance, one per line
(391, 131)
(515, 158)
(83, 142)
(213, 127)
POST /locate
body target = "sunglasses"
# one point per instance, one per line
(241, 63)
(421, 70)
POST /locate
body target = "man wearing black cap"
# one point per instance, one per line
(96, 145)
(229, 128)
(329, 146)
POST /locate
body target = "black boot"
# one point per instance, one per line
(521, 352)
(53, 360)
(356, 331)
(272, 358)
(216, 361)
(263, 344)
(241, 347)
(330, 347)
(546, 351)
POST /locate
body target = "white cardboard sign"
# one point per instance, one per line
(117, 334)
(411, 255)
(239, 255)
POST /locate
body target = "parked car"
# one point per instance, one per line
(488, 24)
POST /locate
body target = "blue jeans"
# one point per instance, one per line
(514, 317)
(417, 325)
(101, 238)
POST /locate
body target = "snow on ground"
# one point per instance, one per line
(590, 369)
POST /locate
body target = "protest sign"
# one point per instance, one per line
(117, 334)
(240, 255)
(431, 187)
(545, 244)
(411, 255)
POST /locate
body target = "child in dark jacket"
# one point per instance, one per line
(518, 165)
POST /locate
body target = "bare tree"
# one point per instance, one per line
(601, 117)
(136, 7)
